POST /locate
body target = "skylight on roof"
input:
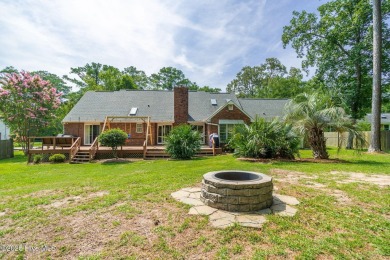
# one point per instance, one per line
(133, 111)
(213, 102)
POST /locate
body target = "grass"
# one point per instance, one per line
(124, 211)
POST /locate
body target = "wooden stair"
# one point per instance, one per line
(161, 154)
(80, 157)
(156, 154)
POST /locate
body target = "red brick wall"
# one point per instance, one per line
(136, 139)
(75, 129)
(180, 103)
(225, 113)
(235, 114)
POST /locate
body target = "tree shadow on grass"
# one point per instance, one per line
(374, 163)
(116, 161)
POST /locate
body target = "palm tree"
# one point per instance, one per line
(312, 114)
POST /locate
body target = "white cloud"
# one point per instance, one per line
(210, 41)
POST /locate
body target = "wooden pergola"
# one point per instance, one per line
(130, 119)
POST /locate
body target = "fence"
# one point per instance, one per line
(6, 149)
(333, 139)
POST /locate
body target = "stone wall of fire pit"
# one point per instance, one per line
(237, 191)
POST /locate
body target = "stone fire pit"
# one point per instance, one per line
(237, 191)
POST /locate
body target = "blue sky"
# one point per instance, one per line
(210, 41)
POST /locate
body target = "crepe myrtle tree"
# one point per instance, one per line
(27, 103)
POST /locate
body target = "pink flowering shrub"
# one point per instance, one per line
(27, 103)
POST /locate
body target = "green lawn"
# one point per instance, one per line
(124, 211)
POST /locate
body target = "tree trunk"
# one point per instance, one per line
(356, 103)
(351, 136)
(318, 144)
(375, 145)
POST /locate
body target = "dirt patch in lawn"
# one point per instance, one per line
(42, 193)
(295, 177)
(292, 177)
(381, 180)
(74, 199)
(163, 230)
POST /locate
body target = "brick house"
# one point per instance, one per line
(206, 112)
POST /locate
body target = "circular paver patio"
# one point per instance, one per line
(282, 205)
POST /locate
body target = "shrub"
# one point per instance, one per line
(37, 159)
(57, 158)
(182, 142)
(113, 138)
(264, 139)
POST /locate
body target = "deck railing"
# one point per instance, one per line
(145, 146)
(93, 149)
(51, 141)
(74, 148)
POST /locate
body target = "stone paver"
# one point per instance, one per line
(288, 211)
(202, 210)
(222, 223)
(192, 189)
(264, 212)
(191, 201)
(256, 219)
(221, 214)
(2, 214)
(180, 194)
(286, 199)
(222, 219)
(195, 195)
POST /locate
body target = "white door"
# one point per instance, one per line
(90, 133)
(162, 132)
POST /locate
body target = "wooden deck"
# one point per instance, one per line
(153, 152)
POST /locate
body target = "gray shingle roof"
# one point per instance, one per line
(266, 108)
(95, 106)
(199, 104)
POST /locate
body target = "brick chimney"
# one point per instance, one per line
(180, 105)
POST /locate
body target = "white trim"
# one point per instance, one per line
(136, 128)
(230, 122)
(158, 126)
(219, 132)
(86, 138)
(222, 107)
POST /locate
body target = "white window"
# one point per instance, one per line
(139, 128)
(225, 132)
(230, 106)
(226, 128)
(162, 132)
